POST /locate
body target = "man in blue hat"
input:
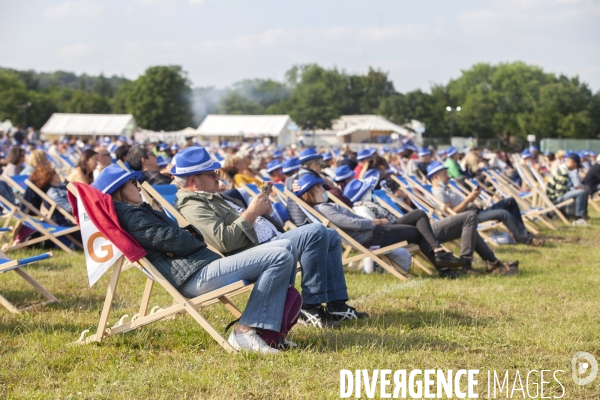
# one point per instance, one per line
(231, 228)
(592, 177)
(559, 189)
(363, 157)
(451, 163)
(506, 211)
(274, 170)
(142, 159)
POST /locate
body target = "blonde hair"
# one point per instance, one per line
(37, 158)
(560, 154)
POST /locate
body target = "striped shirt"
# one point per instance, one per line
(558, 184)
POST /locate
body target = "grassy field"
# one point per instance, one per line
(537, 320)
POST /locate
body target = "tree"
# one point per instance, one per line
(13, 93)
(103, 87)
(84, 102)
(237, 104)
(159, 99)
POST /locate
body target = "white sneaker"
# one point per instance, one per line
(580, 222)
(250, 341)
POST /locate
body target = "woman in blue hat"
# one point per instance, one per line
(414, 227)
(183, 258)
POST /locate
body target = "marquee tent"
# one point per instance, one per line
(77, 125)
(279, 127)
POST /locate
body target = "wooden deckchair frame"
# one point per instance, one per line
(53, 205)
(413, 249)
(14, 265)
(364, 252)
(14, 212)
(180, 303)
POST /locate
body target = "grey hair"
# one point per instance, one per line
(180, 181)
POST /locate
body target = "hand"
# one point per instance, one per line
(384, 221)
(260, 205)
(295, 186)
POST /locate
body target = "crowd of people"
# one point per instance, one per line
(340, 184)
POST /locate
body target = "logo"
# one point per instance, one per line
(584, 364)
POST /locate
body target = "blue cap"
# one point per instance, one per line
(450, 151)
(175, 147)
(433, 168)
(592, 153)
(526, 154)
(306, 182)
(192, 161)
(308, 154)
(575, 157)
(356, 189)
(290, 165)
(274, 165)
(327, 155)
(366, 153)
(385, 149)
(162, 162)
(372, 174)
(342, 173)
(547, 153)
(113, 177)
(163, 147)
(122, 139)
(441, 153)
(277, 154)
(106, 140)
(534, 148)
(424, 151)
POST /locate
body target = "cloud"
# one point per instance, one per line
(83, 8)
(78, 50)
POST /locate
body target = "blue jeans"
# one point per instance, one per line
(271, 266)
(320, 252)
(581, 201)
(507, 211)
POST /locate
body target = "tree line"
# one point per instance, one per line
(496, 101)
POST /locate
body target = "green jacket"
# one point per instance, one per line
(221, 226)
(454, 170)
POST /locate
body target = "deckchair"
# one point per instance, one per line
(17, 183)
(6, 265)
(413, 249)
(48, 230)
(52, 205)
(315, 216)
(180, 303)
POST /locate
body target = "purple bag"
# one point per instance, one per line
(291, 312)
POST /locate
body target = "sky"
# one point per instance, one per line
(220, 42)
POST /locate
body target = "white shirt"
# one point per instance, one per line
(263, 228)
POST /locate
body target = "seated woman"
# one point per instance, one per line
(84, 171)
(414, 227)
(181, 255)
(236, 172)
(49, 182)
(35, 159)
(15, 158)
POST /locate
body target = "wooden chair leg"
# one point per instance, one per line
(110, 294)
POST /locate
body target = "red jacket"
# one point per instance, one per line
(105, 219)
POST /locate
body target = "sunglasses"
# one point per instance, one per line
(214, 173)
(134, 182)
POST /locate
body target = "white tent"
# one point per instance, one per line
(349, 124)
(89, 125)
(249, 126)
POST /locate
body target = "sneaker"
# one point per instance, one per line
(341, 312)
(250, 341)
(467, 269)
(537, 241)
(448, 260)
(447, 273)
(580, 222)
(508, 268)
(316, 317)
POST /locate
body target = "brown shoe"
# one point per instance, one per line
(537, 241)
(491, 266)
(468, 270)
(507, 269)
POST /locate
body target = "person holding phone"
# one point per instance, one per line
(506, 211)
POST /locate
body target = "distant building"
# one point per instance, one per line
(279, 128)
(88, 126)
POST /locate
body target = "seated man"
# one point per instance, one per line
(559, 184)
(506, 211)
(230, 228)
(182, 257)
(592, 178)
(142, 159)
(451, 163)
(274, 170)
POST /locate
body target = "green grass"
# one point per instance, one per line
(533, 321)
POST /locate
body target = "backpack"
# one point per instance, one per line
(291, 312)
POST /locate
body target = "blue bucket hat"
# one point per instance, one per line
(122, 139)
(308, 154)
(356, 189)
(371, 174)
(423, 151)
(162, 162)
(290, 165)
(450, 151)
(106, 140)
(163, 147)
(274, 165)
(526, 154)
(192, 161)
(434, 168)
(175, 147)
(306, 182)
(366, 153)
(327, 156)
(112, 147)
(342, 173)
(277, 154)
(113, 177)
(534, 148)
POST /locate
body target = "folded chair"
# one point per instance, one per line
(180, 303)
(375, 255)
(6, 265)
(52, 205)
